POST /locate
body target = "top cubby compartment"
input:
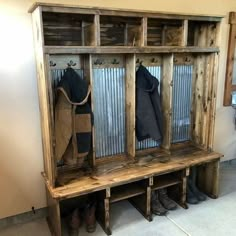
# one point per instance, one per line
(164, 32)
(68, 29)
(202, 33)
(120, 31)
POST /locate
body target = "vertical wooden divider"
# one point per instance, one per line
(166, 99)
(184, 40)
(197, 97)
(88, 74)
(212, 112)
(49, 165)
(97, 40)
(130, 103)
(143, 38)
(54, 215)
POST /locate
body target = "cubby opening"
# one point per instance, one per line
(153, 63)
(164, 32)
(108, 92)
(202, 33)
(68, 29)
(120, 31)
(58, 64)
(182, 97)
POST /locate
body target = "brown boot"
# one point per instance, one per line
(74, 223)
(90, 219)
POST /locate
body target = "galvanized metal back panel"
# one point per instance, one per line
(109, 110)
(150, 143)
(182, 94)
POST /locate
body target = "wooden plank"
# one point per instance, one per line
(165, 181)
(49, 162)
(134, 172)
(125, 192)
(208, 178)
(126, 49)
(184, 41)
(166, 99)
(97, 30)
(213, 95)
(54, 217)
(197, 91)
(143, 29)
(122, 12)
(88, 73)
(230, 65)
(232, 18)
(130, 103)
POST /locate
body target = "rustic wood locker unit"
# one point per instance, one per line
(105, 47)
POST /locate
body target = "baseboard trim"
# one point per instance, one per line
(24, 217)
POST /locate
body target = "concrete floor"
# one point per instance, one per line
(212, 217)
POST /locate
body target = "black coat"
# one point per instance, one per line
(149, 120)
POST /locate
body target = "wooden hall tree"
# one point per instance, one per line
(105, 46)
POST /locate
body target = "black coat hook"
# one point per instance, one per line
(138, 61)
(98, 61)
(153, 60)
(52, 64)
(115, 62)
(71, 63)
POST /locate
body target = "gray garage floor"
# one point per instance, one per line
(212, 217)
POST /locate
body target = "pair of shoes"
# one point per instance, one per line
(89, 218)
(165, 200)
(161, 203)
(156, 206)
(194, 196)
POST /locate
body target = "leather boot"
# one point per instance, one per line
(192, 185)
(90, 219)
(74, 223)
(156, 206)
(168, 203)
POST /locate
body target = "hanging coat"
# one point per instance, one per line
(149, 120)
(73, 122)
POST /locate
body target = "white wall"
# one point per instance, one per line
(20, 139)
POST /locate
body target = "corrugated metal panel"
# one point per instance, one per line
(182, 93)
(149, 143)
(109, 110)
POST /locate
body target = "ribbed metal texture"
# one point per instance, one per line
(109, 111)
(182, 93)
(149, 143)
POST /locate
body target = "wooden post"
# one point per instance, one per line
(143, 32)
(97, 39)
(130, 103)
(54, 217)
(166, 99)
(49, 163)
(184, 40)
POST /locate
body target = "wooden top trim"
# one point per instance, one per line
(180, 158)
(126, 49)
(121, 12)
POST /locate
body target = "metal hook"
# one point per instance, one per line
(187, 59)
(71, 63)
(52, 64)
(138, 61)
(153, 60)
(98, 61)
(115, 62)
